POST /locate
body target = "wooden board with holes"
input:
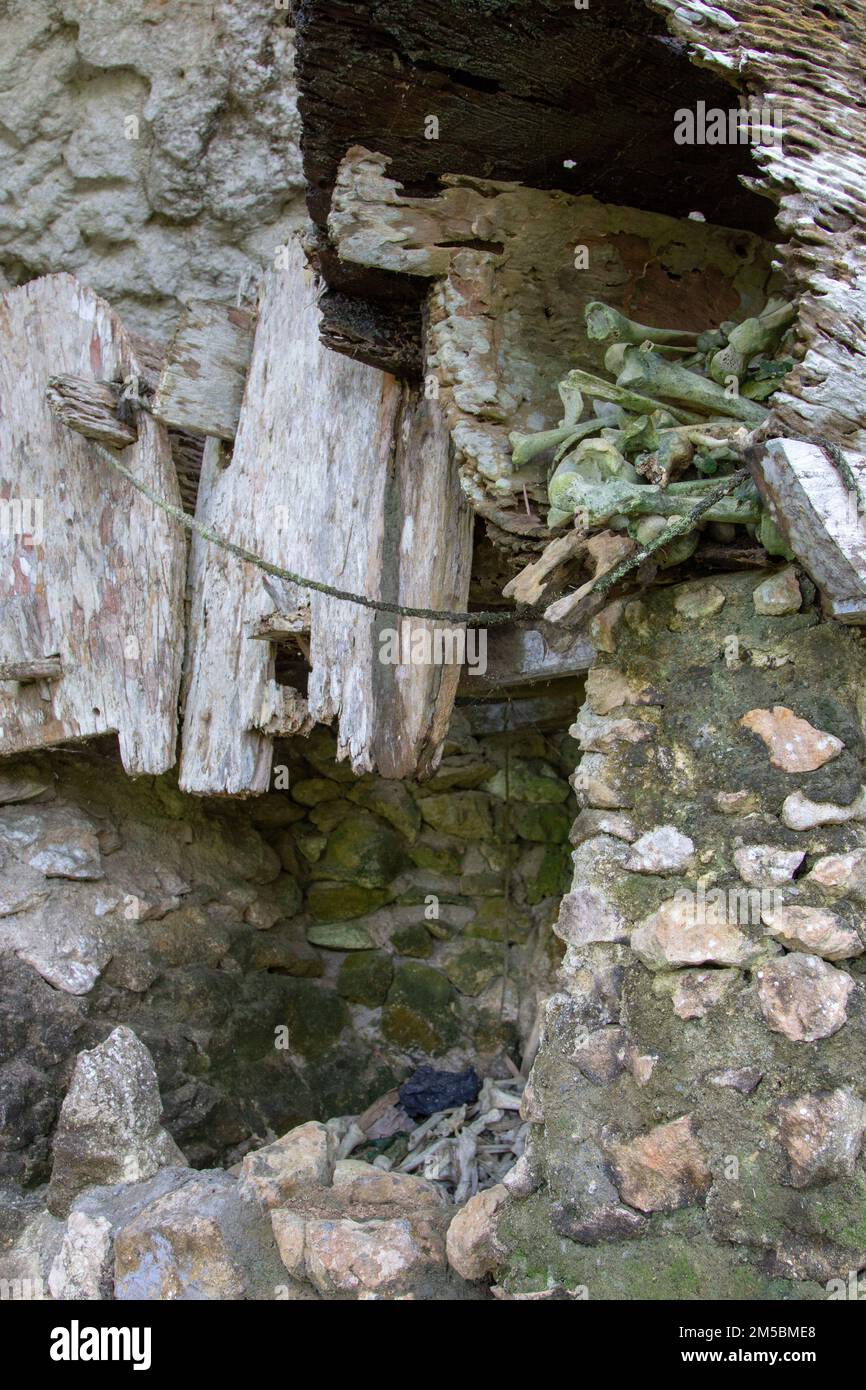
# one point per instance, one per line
(94, 575)
(341, 473)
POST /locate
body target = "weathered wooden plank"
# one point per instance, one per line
(550, 711)
(45, 668)
(340, 473)
(820, 517)
(90, 408)
(95, 576)
(201, 385)
(526, 653)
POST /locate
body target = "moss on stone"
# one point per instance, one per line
(464, 814)
(472, 965)
(420, 1010)
(339, 902)
(412, 940)
(365, 978)
(361, 850)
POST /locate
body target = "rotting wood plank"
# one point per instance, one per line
(341, 473)
(204, 372)
(525, 654)
(94, 576)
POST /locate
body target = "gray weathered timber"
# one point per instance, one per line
(91, 573)
(90, 408)
(201, 385)
(341, 473)
(525, 654)
(807, 498)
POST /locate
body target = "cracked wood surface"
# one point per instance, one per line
(341, 473)
(102, 589)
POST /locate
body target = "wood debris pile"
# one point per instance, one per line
(464, 1149)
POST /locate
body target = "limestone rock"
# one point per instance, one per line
(608, 688)
(799, 813)
(604, 1224)
(23, 782)
(83, 1267)
(764, 866)
(595, 784)
(846, 872)
(601, 734)
(472, 1245)
(366, 976)
(361, 850)
(420, 1009)
(586, 915)
(465, 814)
(662, 1170)
(591, 822)
(109, 1129)
(696, 991)
(777, 595)
(700, 600)
(340, 936)
(741, 803)
(681, 933)
(745, 1080)
(601, 1057)
(813, 929)
(803, 997)
(663, 850)
(202, 1241)
(793, 744)
(376, 1258)
(303, 1158)
(365, 1186)
(822, 1135)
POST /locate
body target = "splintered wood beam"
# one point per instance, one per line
(90, 408)
(45, 668)
(314, 430)
(91, 572)
(820, 516)
(524, 654)
(201, 385)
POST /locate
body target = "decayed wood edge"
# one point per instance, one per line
(46, 668)
(819, 517)
(90, 408)
(204, 371)
(525, 654)
(102, 589)
(807, 63)
(314, 430)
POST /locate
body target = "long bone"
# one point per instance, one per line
(603, 322)
(648, 371)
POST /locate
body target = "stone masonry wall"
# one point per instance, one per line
(149, 147)
(289, 957)
(698, 1093)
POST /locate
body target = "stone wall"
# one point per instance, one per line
(149, 147)
(289, 957)
(698, 1094)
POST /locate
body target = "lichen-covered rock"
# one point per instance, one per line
(841, 872)
(109, 1129)
(694, 992)
(662, 1170)
(822, 1135)
(700, 600)
(203, 1241)
(303, 1158)
(340, 902)
(803, 997)
(472, 1245)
